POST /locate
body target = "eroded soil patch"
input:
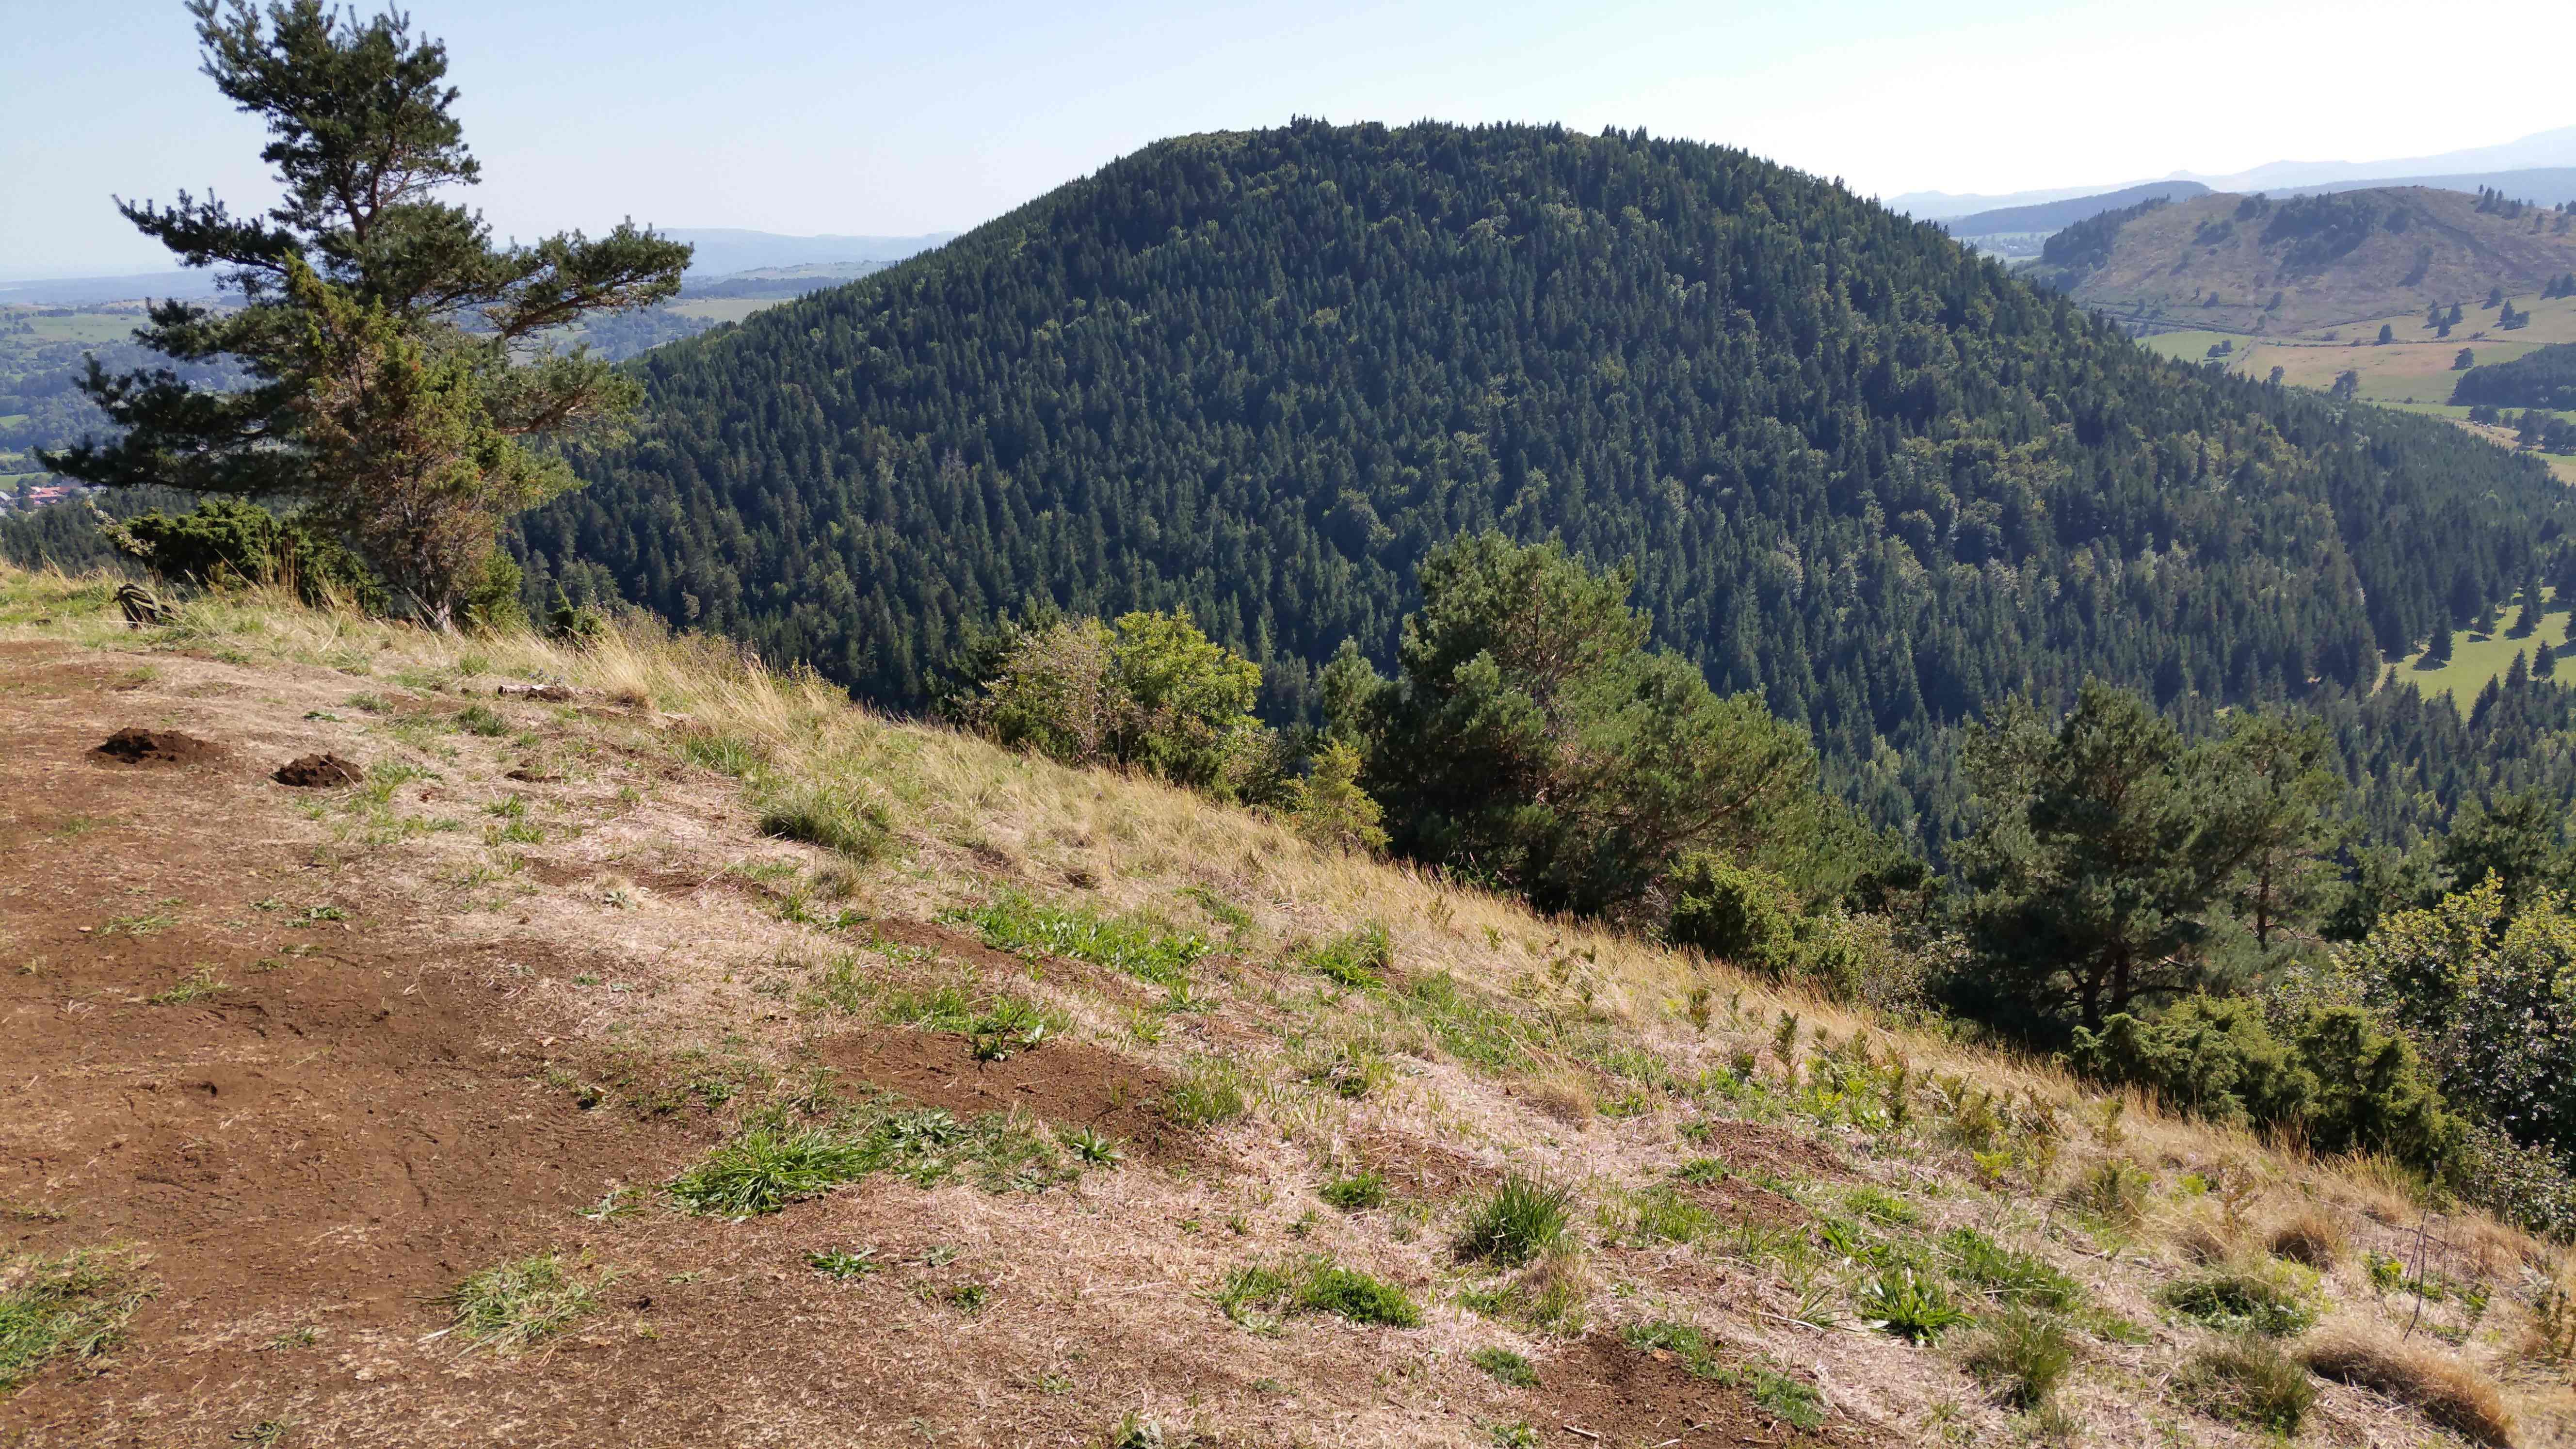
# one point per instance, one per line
(1603, 1392)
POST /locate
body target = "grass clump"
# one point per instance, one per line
(830, 814)
(2248, 1299)
(2006, 1275)
(1883, 1208)
(1208, 1096)
(1505, 1367)
(1355, 959)
(1786, 1399)
(1013, 922)
(1258, 1294)
(476, 719)
(1355, 1193)
(518, 1304)
(2312, 1239)
(723, 753)
(1519, 1219)
(764, 1170)
(2247, 1380)
(2113, 1193)
(70, 1305)
(197, 985)
(2022, 1355)
(2443, 1389)
(1910, 1305)
(1658, 1214)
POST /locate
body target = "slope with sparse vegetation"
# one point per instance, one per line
(642, 1044)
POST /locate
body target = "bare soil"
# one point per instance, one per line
(1070, 1084)
(132, 746)
(1602, 1391)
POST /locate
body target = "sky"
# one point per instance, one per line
(874, 119)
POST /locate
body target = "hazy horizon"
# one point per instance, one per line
(801, 119)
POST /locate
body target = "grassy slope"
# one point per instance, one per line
(1569, 1051)
(2157, 270)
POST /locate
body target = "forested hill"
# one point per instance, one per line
(1259, 374)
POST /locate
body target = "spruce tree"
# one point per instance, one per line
(2438, 649)
(396, 356)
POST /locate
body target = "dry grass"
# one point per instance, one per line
(2312, 1237)
(2447, 1391)
(1300, 1073)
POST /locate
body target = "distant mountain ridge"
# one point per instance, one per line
(2544, 150)
(2058, 215)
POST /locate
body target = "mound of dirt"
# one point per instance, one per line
(308, 772)
(1069, 1083)
(131, 746)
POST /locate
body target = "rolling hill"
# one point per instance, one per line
(1258, 374)
(2263, 267)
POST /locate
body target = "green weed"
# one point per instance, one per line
(1356, 959)
(71, 1305)
(2023, 1355)
(1355, 1193)
(1505, 1367)
(1519, 1219)
(1014, 923)
(1909, 1305)
(475, 719)
(2257, 1299)
(833, 815)
(197, 985)
(2010, 1277)
(764, 1170)
(520, 1303)
(1315, 1284)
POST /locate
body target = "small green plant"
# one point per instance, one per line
(1255, 1294)
(842, 1263)
(1351, 1294)
(1135, 1431)
(1208, 1096)
(1515, 1435)
(1701, 1171)
(2009, 1276)
(1519, 1219)
(1505, 1367)
(2113, 1193)
(197, 985)
(1134, 945)
(1356, 959)
(2247, 1380)
(2258, 1298)
(1882, 1208)
(723, 753)
(968, 1298)
(1355, 1193)
(475, 719)
(1908, 1304)
(763, 1170)
(1005, 1028)
(2022, 1355)
(518, 1304)
(266, 1434)
(1091, 1147)
(71, 1305)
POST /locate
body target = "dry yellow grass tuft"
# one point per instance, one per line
(2447, 1391)
(2311, 1236)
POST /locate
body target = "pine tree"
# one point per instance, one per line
(373, 403)
(2438, 649)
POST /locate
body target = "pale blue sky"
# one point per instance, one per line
(790, 116)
